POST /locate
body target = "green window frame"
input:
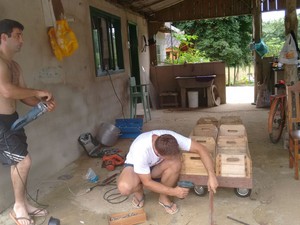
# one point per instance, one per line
(107, 42)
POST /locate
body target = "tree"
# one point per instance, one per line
(225, 39)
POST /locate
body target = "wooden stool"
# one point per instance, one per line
(168, 99)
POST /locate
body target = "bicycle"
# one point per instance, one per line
(276, 120)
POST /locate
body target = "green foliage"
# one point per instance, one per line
(273, 34)
(225, 39)
(191, 55)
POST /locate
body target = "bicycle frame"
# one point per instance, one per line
(276, 120)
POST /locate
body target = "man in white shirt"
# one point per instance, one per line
(156, 155)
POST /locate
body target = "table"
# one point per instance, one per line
(195, 82)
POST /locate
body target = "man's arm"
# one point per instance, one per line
(11, 91)
(158, 187)
(208, 163)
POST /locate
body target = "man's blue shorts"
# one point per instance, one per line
(13, 144)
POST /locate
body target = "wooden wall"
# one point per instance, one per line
(163, 77)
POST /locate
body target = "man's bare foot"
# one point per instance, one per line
(170, 208)
(138, 202)
(168, 205)
(20, 216)
(34, 211)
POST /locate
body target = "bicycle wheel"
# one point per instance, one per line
(276, 120)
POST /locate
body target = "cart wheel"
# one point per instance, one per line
(242, 192)
(200, 190)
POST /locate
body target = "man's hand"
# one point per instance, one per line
(47, 98)
(212, 183)
(180, 192)
(44, 95)
(50, 105)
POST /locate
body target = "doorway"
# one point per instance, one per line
(133, 51)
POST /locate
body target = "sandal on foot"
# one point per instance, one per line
(17, 219)
(136, 203)
(38, 212)
(169, 208)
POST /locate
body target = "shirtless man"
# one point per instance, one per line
(156, 155)
(13, 146)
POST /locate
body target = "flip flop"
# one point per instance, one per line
(16, 219)
(168, 208)
(136, 203)
(39, 212)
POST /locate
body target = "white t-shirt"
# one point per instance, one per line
(141, 153)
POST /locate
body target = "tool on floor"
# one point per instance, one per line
(106, 181)
(236, 220)
(33, 114)
(211, 207)
(111, 161)
(53, 221)
(185, 184)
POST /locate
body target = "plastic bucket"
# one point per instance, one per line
(108, 134)
(193, 99)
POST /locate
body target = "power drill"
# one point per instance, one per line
(33, 114)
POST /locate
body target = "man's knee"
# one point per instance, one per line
(124, 188)
(175, 166)
(25, 163)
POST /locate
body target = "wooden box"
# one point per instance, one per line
(230, 120)
(192, 164)
(232, 145)
(232, 130)
(135, 216)
(205, 130)
(233, 165)
(208, 142)
(208, 120)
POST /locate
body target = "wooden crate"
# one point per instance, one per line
(230, 120)
(232, 145)
(208, 120)
(228, 165)
(208, 142)
(135, 216)
(205, 130)
(232, 130)
(192, 164)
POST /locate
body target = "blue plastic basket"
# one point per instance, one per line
(130, 128)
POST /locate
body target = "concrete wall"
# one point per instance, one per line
(84, 101)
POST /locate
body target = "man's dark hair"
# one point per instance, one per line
(7, 26)
(166, 144)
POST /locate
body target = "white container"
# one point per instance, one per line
(193, 99)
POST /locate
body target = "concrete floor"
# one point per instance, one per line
(274, 199)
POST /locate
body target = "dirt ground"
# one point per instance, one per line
(274, 199)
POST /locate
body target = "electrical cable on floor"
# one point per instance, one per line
(112, 84)
(113, 198)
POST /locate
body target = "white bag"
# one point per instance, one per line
(288, 53)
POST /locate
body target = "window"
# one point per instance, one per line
(107, 42)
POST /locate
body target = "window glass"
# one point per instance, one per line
(107, 42)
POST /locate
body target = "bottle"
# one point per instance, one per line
(91, 176)
(33, 114)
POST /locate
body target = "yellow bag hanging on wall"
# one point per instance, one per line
(66, 38)
(62, 39)
(55, 47)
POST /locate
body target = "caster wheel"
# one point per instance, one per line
(242, 192)
(200, 190)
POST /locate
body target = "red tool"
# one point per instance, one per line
(111, 161)
(211, 207)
